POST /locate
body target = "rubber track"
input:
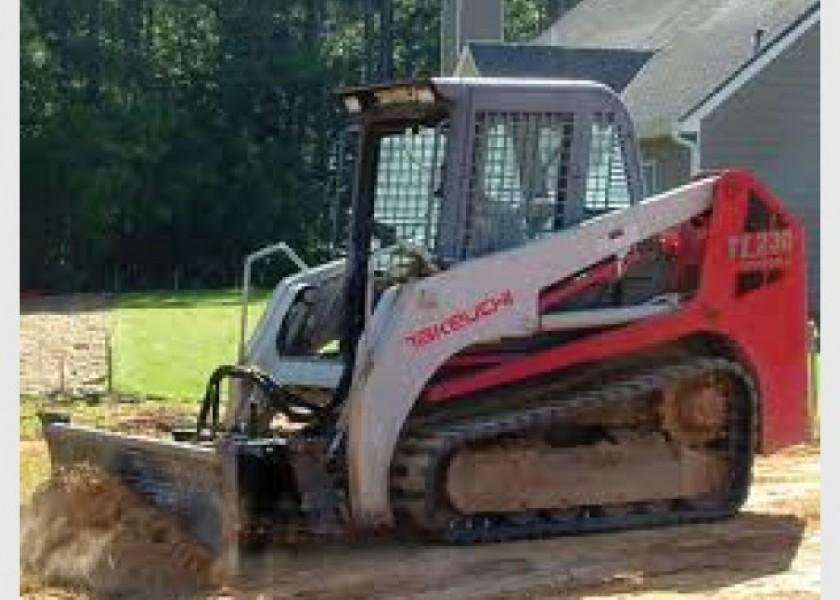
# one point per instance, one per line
(424, 454)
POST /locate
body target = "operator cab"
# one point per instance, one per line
(466, 167)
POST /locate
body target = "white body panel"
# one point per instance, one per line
(580, 319)
(261, 350)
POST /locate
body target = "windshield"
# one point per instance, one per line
(407, 204)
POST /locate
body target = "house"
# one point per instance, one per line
(615, 67)
(709, 84)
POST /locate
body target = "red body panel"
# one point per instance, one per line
(767, 325)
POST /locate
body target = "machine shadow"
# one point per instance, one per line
(691, 558)
(763, 545)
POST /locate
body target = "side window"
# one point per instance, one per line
(406, 206)
(606, 181)
(519, 178)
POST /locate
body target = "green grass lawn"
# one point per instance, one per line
(166, 344)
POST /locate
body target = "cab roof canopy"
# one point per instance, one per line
(428, 100)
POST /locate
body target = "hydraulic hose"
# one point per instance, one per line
(295, 408)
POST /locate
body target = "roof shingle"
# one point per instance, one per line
(697, 45)
(615, 68)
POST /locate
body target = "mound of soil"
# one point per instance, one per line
(83, 528)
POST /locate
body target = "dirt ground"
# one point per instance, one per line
(771, 550)
(64, 344)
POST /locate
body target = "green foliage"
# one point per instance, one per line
(523, 19)
(162, 140)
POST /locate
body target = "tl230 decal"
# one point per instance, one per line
(761, 249)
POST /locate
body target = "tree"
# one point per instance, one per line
(161, 140)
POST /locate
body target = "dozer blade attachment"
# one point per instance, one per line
(196, 482)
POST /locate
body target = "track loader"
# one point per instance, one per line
(515, 344)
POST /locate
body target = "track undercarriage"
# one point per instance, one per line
(657, 446)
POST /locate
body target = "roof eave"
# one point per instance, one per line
(690, 120)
